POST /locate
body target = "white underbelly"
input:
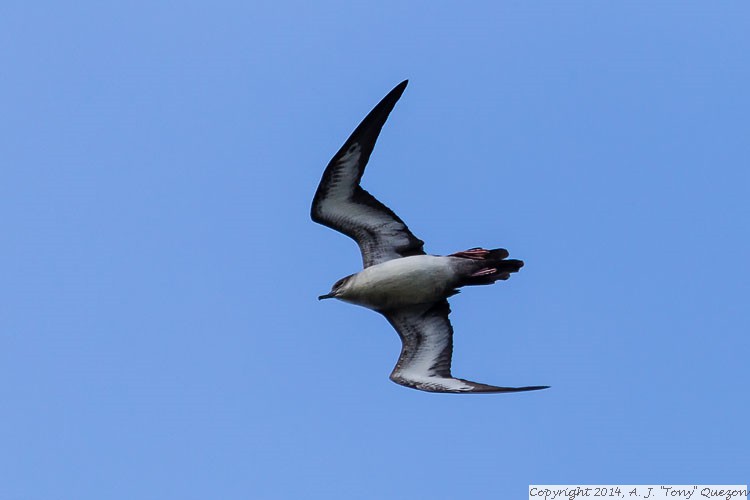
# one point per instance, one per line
(401, 282)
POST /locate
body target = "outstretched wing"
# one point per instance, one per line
(341, 204)
(425, 361)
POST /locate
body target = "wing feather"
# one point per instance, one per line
(341, 204)
(427, 349)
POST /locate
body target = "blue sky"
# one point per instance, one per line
(160, 335)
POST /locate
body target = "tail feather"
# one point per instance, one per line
(489, 266)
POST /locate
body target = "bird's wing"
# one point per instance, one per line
(341, 204)
(425, 361)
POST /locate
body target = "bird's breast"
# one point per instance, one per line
(402, 282)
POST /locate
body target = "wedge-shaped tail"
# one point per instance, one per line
(484, 267)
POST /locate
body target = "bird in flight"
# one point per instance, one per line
(399, 280)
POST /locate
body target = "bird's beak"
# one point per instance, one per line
(327, 296)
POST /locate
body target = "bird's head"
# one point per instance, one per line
(338, 289)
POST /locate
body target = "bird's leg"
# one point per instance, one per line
(483, 272)
(473, 253)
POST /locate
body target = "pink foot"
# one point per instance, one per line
(474, 253)
(484, 272)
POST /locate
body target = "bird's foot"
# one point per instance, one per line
(473, 253)
(483, 272)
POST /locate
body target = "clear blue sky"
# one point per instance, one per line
(160, 336)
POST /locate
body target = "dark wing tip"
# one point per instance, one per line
(476, 388)
(369, 128)
(502, 390)
(382, 109)
(479, 388)
(531, 388)
(366, 134)
(386, 104)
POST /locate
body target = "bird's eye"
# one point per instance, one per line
(339, 283)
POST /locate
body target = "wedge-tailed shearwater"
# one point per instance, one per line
(399, 280)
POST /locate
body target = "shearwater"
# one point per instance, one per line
(399, 280)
